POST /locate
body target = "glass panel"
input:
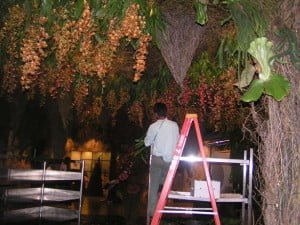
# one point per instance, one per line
(97, 155)
(106, 156)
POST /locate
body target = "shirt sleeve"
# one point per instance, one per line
(150, 135)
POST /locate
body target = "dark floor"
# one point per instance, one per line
(97, 211)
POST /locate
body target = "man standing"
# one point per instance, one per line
(162, 136)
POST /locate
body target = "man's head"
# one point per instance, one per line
(160, 109)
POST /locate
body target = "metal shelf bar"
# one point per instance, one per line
(215, 160)
(192, 198)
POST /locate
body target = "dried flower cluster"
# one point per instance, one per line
(116, 101)
(33, 52)
(91, 111)
(136, 113)
(133, 24)
(67, 54)
(103, 59)
(65, 41)
(10, 80)
(141, 56)
(80, 93)
(132, 27)
(9, 34)
(56, 81)
(114, 35)
(86, 28)
(73, 32)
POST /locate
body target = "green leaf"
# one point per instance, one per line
(201, 14)
(46, 7)
(100, 13)
(277, 86)
(246, 76)
(261, 50)
(78, 8)
(220, 53)
(95, 4)
(28, 10)
(99, 38)
(226, 20)
(254, 92)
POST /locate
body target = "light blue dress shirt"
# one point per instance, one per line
(162, 136)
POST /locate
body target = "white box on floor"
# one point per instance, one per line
(201, 189)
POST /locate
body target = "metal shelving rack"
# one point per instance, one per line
(29, 186)
(245, 197)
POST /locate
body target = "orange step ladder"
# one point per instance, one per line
(160, 207)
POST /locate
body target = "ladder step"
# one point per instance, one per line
(187, 208)
(187, 212)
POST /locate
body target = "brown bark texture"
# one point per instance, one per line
(279, 150)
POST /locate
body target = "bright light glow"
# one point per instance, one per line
(191, 158)
(75, 155)
(87, 155)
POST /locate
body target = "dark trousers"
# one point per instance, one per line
(158, 172)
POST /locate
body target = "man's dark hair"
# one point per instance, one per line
(160, 109)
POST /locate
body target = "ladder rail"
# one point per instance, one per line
(149, 186)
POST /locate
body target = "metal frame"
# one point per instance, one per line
(42, 194)
(246, 196)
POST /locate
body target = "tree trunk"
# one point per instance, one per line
(280, 149)
(280, 168)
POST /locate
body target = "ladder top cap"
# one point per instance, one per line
(191, 116)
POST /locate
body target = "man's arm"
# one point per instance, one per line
(150, 135)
